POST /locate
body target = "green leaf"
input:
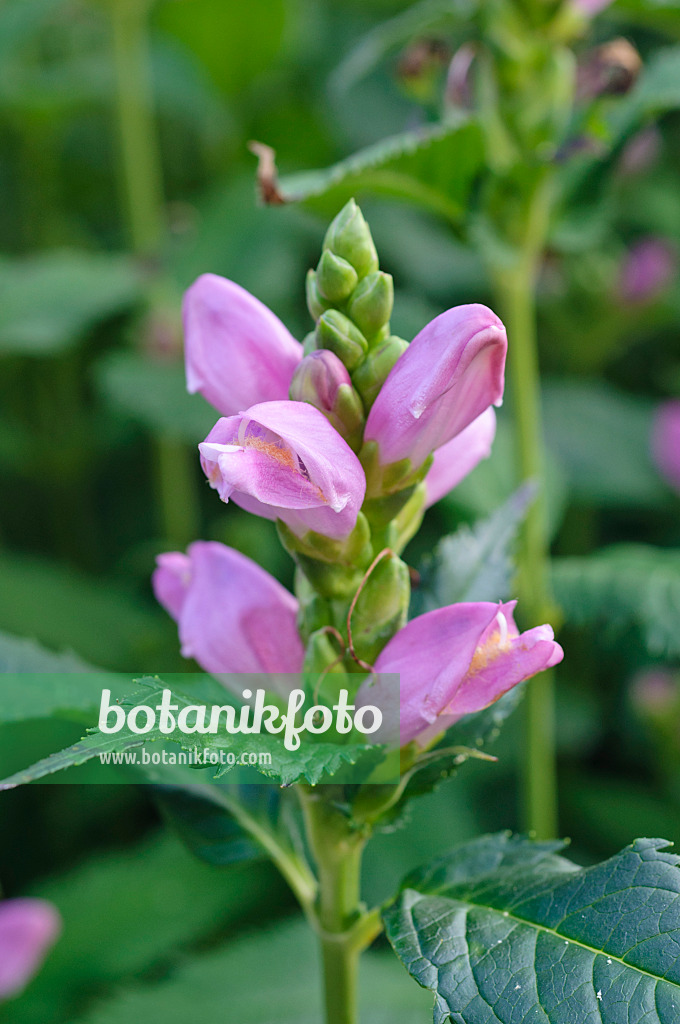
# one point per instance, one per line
(474, 563)
(206, 827)
(601, 438)
(48, 302)
(504, 929)
(155, 395)
(433, 167)
(104, 623)
(269, 978)
(622, 586)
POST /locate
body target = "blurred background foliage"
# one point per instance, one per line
(107, 216)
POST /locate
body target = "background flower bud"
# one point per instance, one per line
(336, 332)
(371, 304)
(647, 269)
(382, 607)
(336, 279)
(28, 928)
(665, 442)
(349, 236)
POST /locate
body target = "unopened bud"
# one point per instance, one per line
(371, 305)
(349, 236)
(382, 607)
(323, 381)
(316, 304)
(372, 373)
(336, 332)
(336, 279)
(323, 655)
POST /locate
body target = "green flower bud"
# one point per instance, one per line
(337, 333)
(336, 279)
(372, 374)
(316, 304)
(349, 237)
(382, 607)
(309, 343)
(371, 304)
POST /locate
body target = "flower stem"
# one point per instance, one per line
(142, 181)
(344, 926)
(516, 287)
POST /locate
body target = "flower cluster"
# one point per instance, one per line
(344, 441)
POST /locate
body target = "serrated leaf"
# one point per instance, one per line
(474, 563)
(155, 395)
(48, 301)
(622, 586)
(433, 167)
(504, 929)
(311, 762)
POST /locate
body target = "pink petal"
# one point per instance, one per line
(285, 460)
(235, 617)
(237, 351)
(432, 654)
(171, 581)
(27, 930)
(450, 373)
(459, 456)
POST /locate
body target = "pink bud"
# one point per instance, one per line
(666, 442)
(28, 928)
(283, 460)
(590, 7)
(317, 379)
(647, 270)
(233, 617)
(458, 92)
(452, 662)
(450, 373)
(459, 456)
(237, 351)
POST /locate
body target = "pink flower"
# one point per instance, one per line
(449, 375)
(28, 928)
(237, 351)
(452, 662)
(666, 441)
(459, 456)
(590, 7)
(233, 617)
(647, 270)
(283, 460)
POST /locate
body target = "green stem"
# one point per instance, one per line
(139, 150)
(142, 179)
(344, 926)
(516, 287)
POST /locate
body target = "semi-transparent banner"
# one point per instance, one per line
(94, 727)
